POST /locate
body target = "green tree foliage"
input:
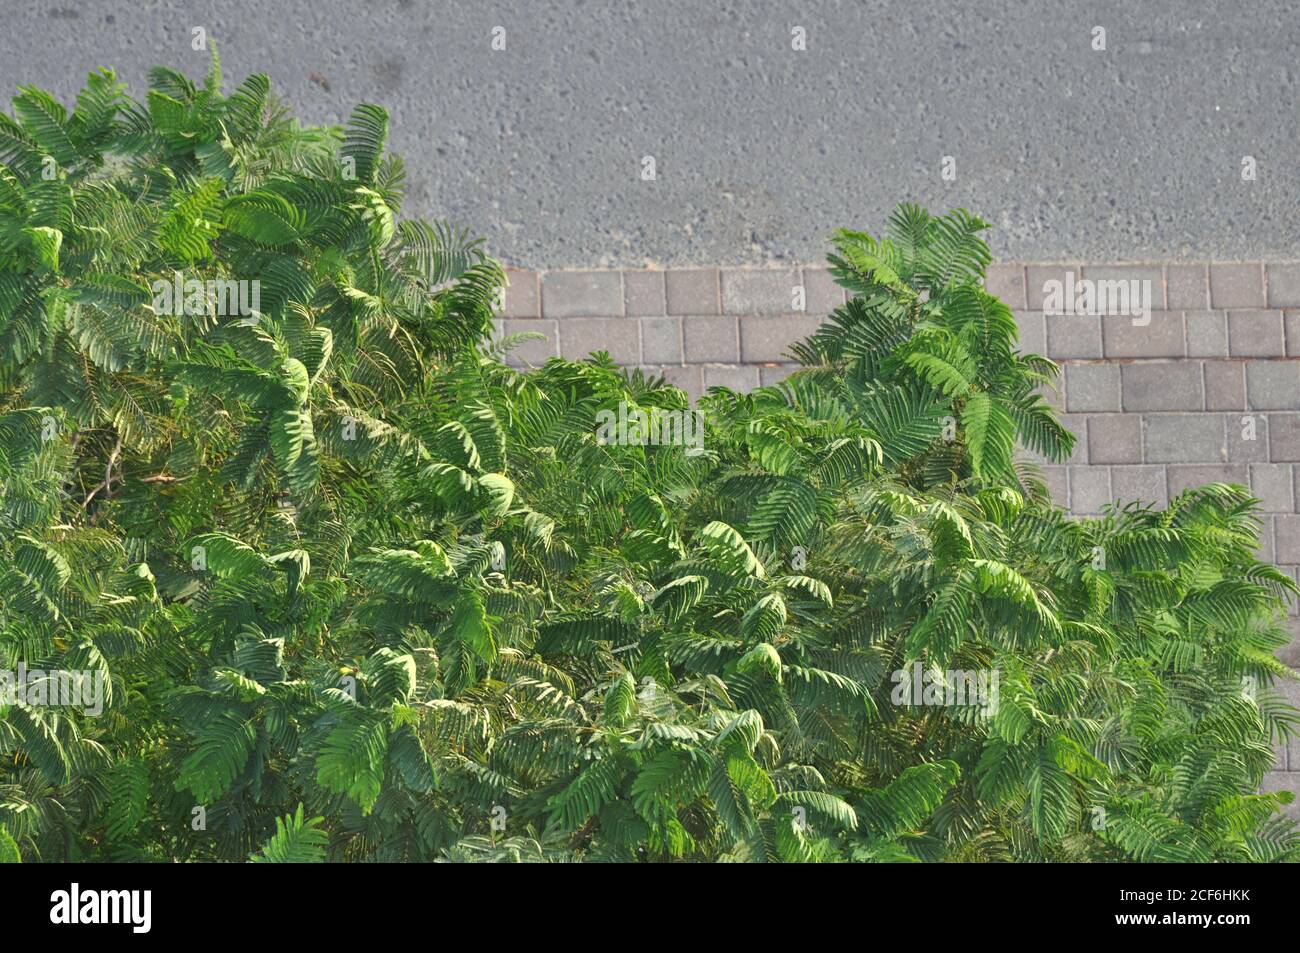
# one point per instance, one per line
(360, 591)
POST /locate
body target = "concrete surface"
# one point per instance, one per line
(1128, 154)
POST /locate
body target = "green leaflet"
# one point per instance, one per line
(297, 840)
(351, 761)
(221, 753)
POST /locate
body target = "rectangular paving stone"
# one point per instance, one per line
(692, 291)
(1172, 386)
(1225, 385)
(689, 378)
(643, 293)
(1183, 438)
(1152, 292)
(821, 294)
(1058, 485)
(1162, 337)
(1291, 321)
(740, 379)
(1273, 385)
(1077, 424)
(1283, 284)
(1187, 287)
(580, 337)
(1246, 437)
(1255, 334)
(1207, 333)
(1284, 438)
(576, 294)
(1089, 489)
(536, 352)
(1073, 336)
(769, 375)
(1115, 438)
(1265, 550)
(1007, 282)
(1053, 394)
(523, 297)
(1286, 528)
(1274, 484)
(661, 340)
(1236, 285)
(1037, 277)
(711, 339)
(769, 337)
(1033, 332)
(758, 290)
(1184, 476)
(1146, 484)
(1092, 387)
(1290, 655)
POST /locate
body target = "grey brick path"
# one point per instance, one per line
(1208, 390)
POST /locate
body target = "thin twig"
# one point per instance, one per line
(107, 483)
(108, 470)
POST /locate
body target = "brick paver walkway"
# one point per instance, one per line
(1208, 390)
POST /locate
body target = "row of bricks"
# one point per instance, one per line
(573, 294)
(1169, 334)
(1241, 433)
(1188, 385)
(697, 339)
(1174, 287)
(760, 339)
(1269, 443)
(634, 293)
(1093, 396)
(695, 379)
(1262, 453)
(1184, 438)
(704, 338)
(1089, 481)
(1085, 489)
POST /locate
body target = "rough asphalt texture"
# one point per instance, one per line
(1128, 154)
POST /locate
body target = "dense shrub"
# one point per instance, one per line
(361, 591)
